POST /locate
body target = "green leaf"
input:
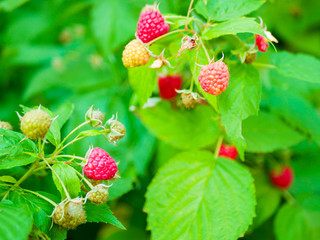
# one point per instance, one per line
(142, 80)
(296, 223)
(220, 10)
(184, 129)
(240, 100)
(16, 222)
(206, 200)
(56, 233)
(268, 198)
(267, 133)
(233, 26)
(9, 5)
(8, 179)
(64, 113)
(120, 187)
(113, 23)
(101, 213)
(40, 208)
(297, 111)
(13, 150)
(69, 177)
(298, 66)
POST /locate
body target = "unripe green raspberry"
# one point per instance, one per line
(250, 57)
(95, 117)
(118, 131)
(6, 125)
(98, 195)
(35, 124)
(69, 215)
(188, 100)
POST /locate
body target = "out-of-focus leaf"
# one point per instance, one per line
(63, 113)
(57, 233)
(9, 5)
(267, 133)
(8, 179)
(221, 10)
(13, 150)
(199, 194)
(233, 26)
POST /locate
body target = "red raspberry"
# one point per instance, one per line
(228, 151)
(168, 85)
(282, 178)
(100, 165)
(151, 25)
(262, 43)
(214, 78)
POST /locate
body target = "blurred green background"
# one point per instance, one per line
(68, 53)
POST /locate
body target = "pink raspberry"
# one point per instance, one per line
(228, 151)
(262, 43)
(214, 78)
(151, 25)
(100, 165)
(168, 86)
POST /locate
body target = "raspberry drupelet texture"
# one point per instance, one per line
(282, 178)
(151, 25)
(35, 124)
(168, 86)
(262, 43)
(100, 165)
(135, 54)
(228, 151)
(6, 125)
(214, 78)
(98, 195)
(69, 215)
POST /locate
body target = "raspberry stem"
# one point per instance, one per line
(74, 130)
(87, 182)
(188, 15)
(289, 198)
(41, 196)
(262, 65)
(205, 50)
(70, 156)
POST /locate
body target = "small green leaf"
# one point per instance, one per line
(298, 66)
(295, 222)
(233, 26)
(9, 5)
(142, 80)
(220, 10)
(13, 149)
(16, 222)
(101, 213)
(8, 179)
(267, 133)
(207, 199)
(69, 177)
(184, 129)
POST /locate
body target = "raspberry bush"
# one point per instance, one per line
(176, 120)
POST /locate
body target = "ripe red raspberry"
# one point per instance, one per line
(69, 215)
(100, 165)
(168, 86)
(282, 178)
(151, 25)
(6, 125)
(228, 151)
(135, 54)
(262, 43)
(35, 124)
(98, 195)
(214, 78)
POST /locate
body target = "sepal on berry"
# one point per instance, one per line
(95, 117)
(117, 130)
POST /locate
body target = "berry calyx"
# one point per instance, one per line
(282, 178)
(118, 131)
(99, 194)
(69, 215)
(230, 152)
(214, 78)
(188, 100)
(135, 54)
(6, 125)
(95, 117)
(35, 124)
(262, 43)
(168, 86)
(100, 165)
(151, 24)
(250, 57)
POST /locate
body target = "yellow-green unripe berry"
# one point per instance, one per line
(6, 125)
(98, 195)
(69, 215)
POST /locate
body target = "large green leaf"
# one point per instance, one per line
(16, 221)
(69, 177)
(220, 10)
(299, 66)
(182, 128)
(9, 5)
(296, 223)
(63, 113)
(142, 80)
(207, 200)
(101, 213)
(297, 111)
(13, 150)
(266, 133)
(240, 100)
(113, 23)
(233, 26)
